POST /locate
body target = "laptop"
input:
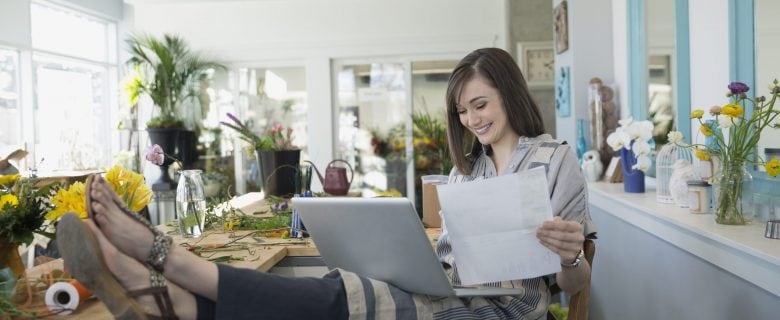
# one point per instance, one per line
(382, 239)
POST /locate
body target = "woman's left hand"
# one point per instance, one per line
(562, 237)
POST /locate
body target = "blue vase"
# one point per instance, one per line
(633, 179)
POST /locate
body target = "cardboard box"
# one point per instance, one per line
(431, 207)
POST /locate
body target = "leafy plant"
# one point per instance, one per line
(165, 69)
(275, 139)
(23, 208)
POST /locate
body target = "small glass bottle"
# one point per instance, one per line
(582, 146)
(698, 196)
(191, 204)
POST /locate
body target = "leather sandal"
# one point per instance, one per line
(161, 244)
(84, 259)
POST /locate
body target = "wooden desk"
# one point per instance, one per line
(258, 253)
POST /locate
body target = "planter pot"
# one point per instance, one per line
(278, 171)
(633, 179)
(10, 258)
(166, 138)
(187, 147)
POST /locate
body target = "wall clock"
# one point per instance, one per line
(537, 61)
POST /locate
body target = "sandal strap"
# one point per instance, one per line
(161, 244)
(159, 252)
(159, 291)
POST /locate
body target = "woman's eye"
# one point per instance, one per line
(461, 111)
(481, 106)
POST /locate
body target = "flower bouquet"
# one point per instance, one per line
(735, 136)
(23, 207)
(127, 184)
(631, 139)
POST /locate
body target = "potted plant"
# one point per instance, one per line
(278, 158)
(166, 70)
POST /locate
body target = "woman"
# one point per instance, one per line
(486, 98)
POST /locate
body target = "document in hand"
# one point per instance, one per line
(492, 226)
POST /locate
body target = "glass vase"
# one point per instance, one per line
(732, 205)
(191, 204)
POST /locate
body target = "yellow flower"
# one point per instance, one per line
(702, 154)
(130, 187)
(732, 110)
(9, 179)
(8, 199)
(697, 114)
(69, 199)
(706, 130)
(772, 167)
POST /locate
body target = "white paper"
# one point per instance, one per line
(492, 226)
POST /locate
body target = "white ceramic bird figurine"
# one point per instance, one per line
(592, 166)
(682, 171)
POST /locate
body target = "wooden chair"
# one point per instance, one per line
(578, 304)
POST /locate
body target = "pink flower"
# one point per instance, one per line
(155, 154)
(277, 128)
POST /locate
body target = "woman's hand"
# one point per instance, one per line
(562, 237)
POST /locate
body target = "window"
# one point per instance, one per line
(10, 133)
(74, 75)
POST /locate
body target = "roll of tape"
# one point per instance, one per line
(64, 297)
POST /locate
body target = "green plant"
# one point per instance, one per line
(165, 69)
(432, 153)
(275, 139)
(23, 208)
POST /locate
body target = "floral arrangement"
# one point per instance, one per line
(735, 136)
(127, 184)
(743, 132)
(277, 138)
(23, 207)
(633, 136)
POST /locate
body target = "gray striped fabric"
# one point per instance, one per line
(371, 299)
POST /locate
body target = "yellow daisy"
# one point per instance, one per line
(8, 179)
(702, 154)
(732, 110)
(69, 199)
(130, 187)
(706, 130)
(8, 199)
(772, 167)
(697, 114)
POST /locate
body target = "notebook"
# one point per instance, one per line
(382, 239)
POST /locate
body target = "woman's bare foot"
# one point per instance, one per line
(135, 276)
(129, 235)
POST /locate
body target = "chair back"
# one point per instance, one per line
(578, 304)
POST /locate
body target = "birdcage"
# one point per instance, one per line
(664, 163)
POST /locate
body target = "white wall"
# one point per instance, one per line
(15, 23)
(313, 33)
(589, 55)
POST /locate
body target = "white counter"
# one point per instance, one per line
(740, 250)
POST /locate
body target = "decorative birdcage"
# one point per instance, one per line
(664, 163)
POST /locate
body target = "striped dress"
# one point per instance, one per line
(371, 299)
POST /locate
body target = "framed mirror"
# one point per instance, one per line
(754, 47)
(659, 65)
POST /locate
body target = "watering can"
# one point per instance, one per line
(335, 181)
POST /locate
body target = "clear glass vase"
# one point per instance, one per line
(731, 192)
(191, 204)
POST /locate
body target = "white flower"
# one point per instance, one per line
(641, 148)
(642, 163)
(640, 130)
(618, 139)
(727, 122)
(625, 122)
(675, 136)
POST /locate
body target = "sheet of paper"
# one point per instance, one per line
(492, 226)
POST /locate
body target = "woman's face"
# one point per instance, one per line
(481, 111)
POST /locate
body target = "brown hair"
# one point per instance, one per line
(503, 74)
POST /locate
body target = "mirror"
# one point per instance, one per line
(659, 65)
(660, 69)
(767, 66)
